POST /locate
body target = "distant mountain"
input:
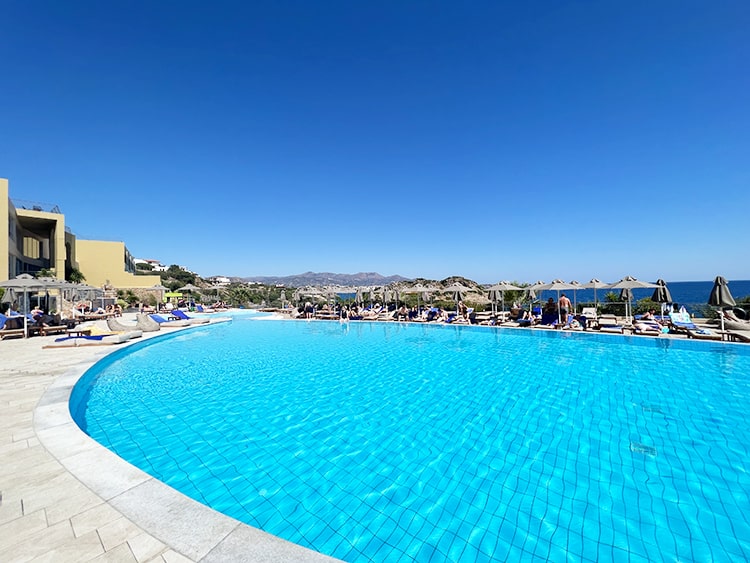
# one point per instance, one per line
(327, 278)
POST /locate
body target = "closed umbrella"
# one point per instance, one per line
(626, 295)
(499, 289)
(661, 294)
(457, 290)
(374, 292)
(386, 297)
(721, 297)
(532, 289)
(629, 282)
(161, 289)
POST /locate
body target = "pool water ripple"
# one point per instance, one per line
(382, 441)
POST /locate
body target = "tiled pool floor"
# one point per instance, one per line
(63, 497)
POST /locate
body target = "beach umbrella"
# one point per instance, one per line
(85, 292)
(457, 290)
(189, 288)
(374, 292)
(500, 288)
(576, 286)
(661, 294)
(26, 284)
(532, 289)
(161, 289)
(394, 294)
(626, 295)
(721, 297)
(595, 284)
(420, 290)
(629, 282)
(558, 286)
(7, 297)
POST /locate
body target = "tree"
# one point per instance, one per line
(76, 276)
(175, 272)
(238, 296)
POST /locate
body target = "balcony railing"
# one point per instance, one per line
(35, 206)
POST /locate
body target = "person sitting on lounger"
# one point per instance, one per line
(463, 311)
(550, 308)
(649, 315)
(433, 314)
(402, 314)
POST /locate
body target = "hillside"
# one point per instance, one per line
(327, 278)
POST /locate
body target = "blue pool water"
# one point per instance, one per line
(388, 442)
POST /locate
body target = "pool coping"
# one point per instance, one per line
(157, 508)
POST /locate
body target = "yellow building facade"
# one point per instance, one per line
(111, 264)
(38, 239)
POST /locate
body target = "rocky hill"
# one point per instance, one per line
(327, 278)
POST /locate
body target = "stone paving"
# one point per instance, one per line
(64, 497)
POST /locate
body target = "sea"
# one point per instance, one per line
(691, 294)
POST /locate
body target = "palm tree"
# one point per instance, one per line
(76, 276)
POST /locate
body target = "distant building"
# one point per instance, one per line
(156, 265)
(38, 239)
(219, 281)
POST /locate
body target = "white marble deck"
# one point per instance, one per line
(64, 497)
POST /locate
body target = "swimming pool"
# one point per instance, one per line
(385, 441)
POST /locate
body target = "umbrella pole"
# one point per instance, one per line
(596, 305)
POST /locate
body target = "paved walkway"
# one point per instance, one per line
(64, 497)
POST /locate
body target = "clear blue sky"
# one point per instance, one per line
(494, 140)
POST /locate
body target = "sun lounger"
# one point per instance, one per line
(47, 330)
(739, 335)
(116, 326)
(590, 314)
(608, 323)
(703, 334)
(93, 340)
(192, 320)
(737, 325)
(8, 329)
(681, 322)
(161, 321)
(536, 315)
(735, 314)
(146, 323)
